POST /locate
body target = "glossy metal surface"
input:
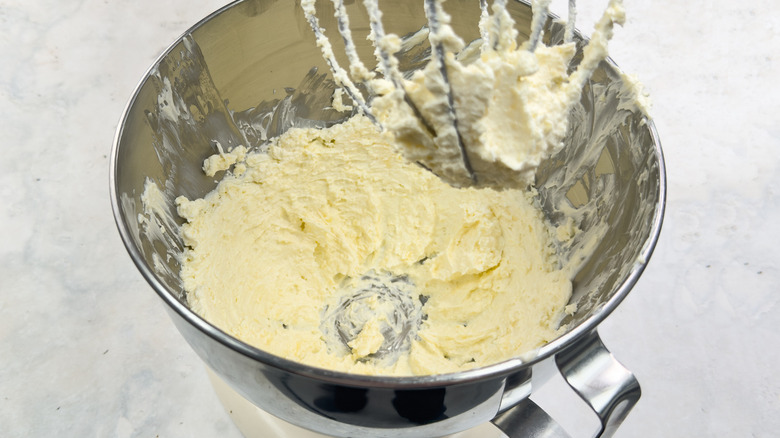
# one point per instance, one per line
(251, 71)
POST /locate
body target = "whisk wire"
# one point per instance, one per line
(438, 55)
(388, 63)
(540, 9)
(339, 74)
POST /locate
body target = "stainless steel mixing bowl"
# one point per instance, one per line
(249, 72)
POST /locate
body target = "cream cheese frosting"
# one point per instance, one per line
(284, 237)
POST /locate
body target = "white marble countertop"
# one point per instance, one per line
(86, 348)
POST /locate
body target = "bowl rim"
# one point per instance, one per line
(496, 370)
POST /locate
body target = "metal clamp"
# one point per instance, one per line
(596, 376)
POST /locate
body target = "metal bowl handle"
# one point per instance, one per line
(596, 376)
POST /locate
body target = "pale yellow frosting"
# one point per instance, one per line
(271, 248)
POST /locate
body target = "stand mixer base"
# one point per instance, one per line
(254, 422)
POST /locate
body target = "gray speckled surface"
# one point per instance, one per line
(86, 348)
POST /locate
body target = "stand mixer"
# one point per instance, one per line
(248, 73)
